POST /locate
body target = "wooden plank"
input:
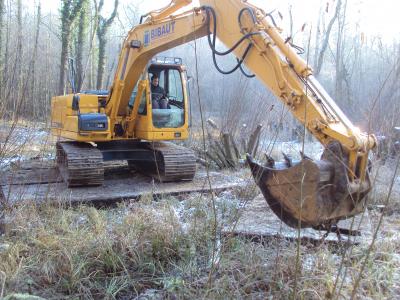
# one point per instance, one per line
(33, 164)
(117, 189)
(235, 147)
(258, 222)
(254, 137)
(30, 176)
(41, 172)
(228, 150)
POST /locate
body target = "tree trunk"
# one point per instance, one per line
(1, 45)
(102, 29)
(317, 37)
(101, 62)
(6, 59)
(18, 62)
(228, 150)
(254, 137)
(82, 32)
(91, 54)
(326, 39)
(69, 11)
(340, 68)
(33, 60)
(63, 63)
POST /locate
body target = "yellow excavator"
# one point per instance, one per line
(125, 124)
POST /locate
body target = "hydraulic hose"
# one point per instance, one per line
(212, 41)
(244, 72)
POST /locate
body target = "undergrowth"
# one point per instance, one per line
(163, 250)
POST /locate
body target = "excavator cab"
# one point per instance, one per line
(162, 112)
(168, 108)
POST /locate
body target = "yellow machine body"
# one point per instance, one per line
(64, 119)
(137, 125)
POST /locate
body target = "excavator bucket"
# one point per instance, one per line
(311, 193)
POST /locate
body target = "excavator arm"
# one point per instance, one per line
(307, 193)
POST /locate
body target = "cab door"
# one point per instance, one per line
(169, 123)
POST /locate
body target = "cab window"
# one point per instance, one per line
(175, 86)
(142, 105)
(133, 96)
(169, 112)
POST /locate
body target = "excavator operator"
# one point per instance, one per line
(159, 99)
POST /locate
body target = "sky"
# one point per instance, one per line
(375, 17)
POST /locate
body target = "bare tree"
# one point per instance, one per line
(325, 41)
(69, 12)
(102, 28)
(1, 43)
(18, 61)
(6, 55)
(80, 42)
(317, 36)
(32, 64)
(341, 72)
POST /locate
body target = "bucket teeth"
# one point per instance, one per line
(270, 161)
(288, 160)
(303, 156)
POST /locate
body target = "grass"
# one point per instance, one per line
(164, 249)
(86, 252)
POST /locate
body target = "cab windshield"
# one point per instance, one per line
(167, 97)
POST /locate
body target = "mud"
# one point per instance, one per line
(257, 221)
(41, 181)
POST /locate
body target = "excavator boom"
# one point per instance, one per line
(307, 193)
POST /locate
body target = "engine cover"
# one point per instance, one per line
(93, 122)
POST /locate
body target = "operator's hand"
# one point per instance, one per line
(157, 96)
(164, 102)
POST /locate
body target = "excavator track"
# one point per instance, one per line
(171, 162)
(80, 164)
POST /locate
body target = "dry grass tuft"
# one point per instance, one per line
(85, 251)
(164, 249)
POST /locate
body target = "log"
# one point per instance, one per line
(212, 124)
(254, 137)
(215, 159)
(228, 150)
(235, 147)
(30, 176)
(257, 145)
(221, 155)
(224, 151)
(220, 148)
(203, 162)
(244, 144)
